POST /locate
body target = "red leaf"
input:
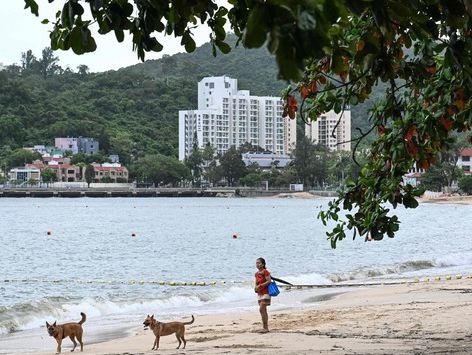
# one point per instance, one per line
(446, 122)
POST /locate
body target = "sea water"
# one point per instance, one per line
(118, 259)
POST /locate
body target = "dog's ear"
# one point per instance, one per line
(47, 324)
(152, 317)
(54, 323)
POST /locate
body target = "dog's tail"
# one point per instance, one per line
(193, 320)
(84, 318)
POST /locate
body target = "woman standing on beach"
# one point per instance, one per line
(261, 287)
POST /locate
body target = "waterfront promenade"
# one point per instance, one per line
(146, 192)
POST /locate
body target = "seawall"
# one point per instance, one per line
(147, 192)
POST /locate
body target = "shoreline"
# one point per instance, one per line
(434, 317)
(192, 193)
(457, 200)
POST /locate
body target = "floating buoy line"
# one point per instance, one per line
(233, 282)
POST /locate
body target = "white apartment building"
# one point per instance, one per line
(320, 131)
(229, 117)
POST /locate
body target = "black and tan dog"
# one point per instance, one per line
(161, 329)
(71, 330)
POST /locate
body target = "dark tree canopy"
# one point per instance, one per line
(337, 51)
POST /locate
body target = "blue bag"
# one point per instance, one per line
(273, 289)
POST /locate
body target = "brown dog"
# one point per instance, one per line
(161, 329)
(71, 330)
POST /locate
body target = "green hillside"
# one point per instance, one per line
(131, 111)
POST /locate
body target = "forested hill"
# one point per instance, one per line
(132, 111)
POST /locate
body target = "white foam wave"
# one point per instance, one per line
(50, 310)
(307, 279)
(455, 259)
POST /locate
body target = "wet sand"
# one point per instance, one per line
(419, 318)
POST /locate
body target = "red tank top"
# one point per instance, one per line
(262, 277)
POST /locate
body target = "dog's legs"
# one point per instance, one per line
(185, 342)
(59, 342)
(178, 338)
(157, 342)
(79, 338)
(154, 344)
(73, 340)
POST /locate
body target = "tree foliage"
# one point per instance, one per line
(310, 162)
(48, 175)
(160, 170)
(465, 184)
(89, 174)
(232, 165)
(338, 51)
(20, 157)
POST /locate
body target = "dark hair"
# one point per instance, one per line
(262, 261)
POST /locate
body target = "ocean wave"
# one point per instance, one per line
(378, 271)
(306, 279)
(34, 314)
(456, 259)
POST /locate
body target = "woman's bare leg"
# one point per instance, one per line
(264, 315)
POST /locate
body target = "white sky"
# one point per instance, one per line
(20, 30)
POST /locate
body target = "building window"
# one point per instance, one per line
(466, 168)
(465, 158)
(212, 86)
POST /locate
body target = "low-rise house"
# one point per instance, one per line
(83, 145)
(114, 171)
(67, 144)
(25, 174)
(66, 172)
(266, 160)
(56, 160)
(465, 161)
(46, 151)
(87, 146)
(114, 158)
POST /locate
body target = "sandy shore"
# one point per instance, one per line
(441, 199)
(460, 200)
(433, 318)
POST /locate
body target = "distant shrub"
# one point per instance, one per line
(465, 184)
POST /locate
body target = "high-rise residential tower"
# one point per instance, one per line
(229, 117)
(321, 131)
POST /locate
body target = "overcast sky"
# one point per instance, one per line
(20, 30)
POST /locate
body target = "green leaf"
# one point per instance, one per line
(255, 34)
(120, 36)
(88, 43)
(188, 42)
(410, 202)
(33, 6)
(223, 47)
(76, 41)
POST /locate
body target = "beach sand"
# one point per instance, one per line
(427, 317)
(442, 199)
